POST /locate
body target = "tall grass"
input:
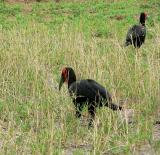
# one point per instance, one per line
(36, 118)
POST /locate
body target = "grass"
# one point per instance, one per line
(38, 39)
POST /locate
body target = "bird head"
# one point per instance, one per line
(67, 76)
(143, 17)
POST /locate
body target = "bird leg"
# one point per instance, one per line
(91, 110)
(78, 110)
(78, 107)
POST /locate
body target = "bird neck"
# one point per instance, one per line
(70, 82)
(142, 20)
(71, 77)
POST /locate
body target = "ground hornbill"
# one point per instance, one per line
(137, 33)
(86, 92)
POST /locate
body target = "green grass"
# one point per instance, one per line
(38, 39)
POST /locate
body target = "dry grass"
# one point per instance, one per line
(35, 114)
(36, 118)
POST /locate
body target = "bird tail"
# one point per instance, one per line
(114, 106)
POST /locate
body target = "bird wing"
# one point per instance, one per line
(88, 88)
(92, 91)
(136, 31)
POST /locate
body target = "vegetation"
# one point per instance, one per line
(38, 39)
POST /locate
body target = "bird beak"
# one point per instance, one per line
(61, 82)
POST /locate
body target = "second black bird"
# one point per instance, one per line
(137, 33)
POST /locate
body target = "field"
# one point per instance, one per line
(39, 39)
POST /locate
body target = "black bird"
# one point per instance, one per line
(136, 34)
(86, 92)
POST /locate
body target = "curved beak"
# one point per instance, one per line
(61, 82)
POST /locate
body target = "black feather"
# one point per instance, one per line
(136, 34)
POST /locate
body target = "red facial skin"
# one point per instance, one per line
(65, 74)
